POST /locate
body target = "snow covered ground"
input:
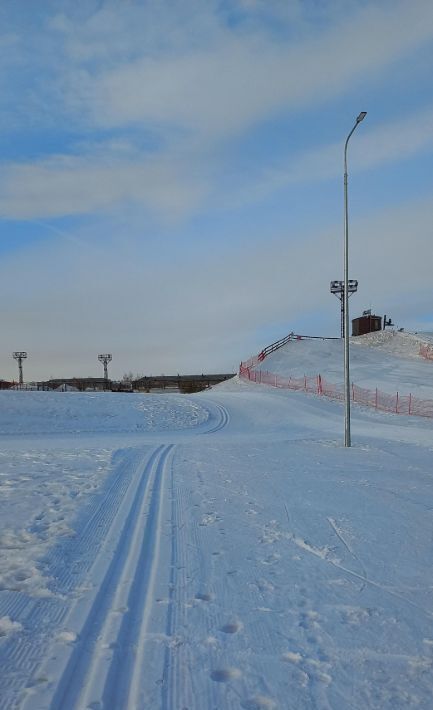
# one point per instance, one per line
(215, 551)
(387, 360)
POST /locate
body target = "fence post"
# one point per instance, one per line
(396, 404)
(375, 401)
(305, 383)
(410, 402)
(275, 381)
(353, 392)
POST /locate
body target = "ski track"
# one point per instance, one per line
(222, 421)
(104, 665)
(68, 564)
(348, 547)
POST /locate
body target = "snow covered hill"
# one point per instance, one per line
(221, 550)
(388, 360)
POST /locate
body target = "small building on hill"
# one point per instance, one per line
(367, 323)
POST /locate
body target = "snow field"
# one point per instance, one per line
(229, 554)
(83, 413)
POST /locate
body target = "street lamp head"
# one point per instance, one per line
(361, 116)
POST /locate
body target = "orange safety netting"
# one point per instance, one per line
(397, 403)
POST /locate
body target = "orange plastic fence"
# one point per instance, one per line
(397, 403)
(426, 351)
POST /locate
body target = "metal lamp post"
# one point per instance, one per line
(347, 442)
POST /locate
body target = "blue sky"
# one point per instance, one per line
(171, 185)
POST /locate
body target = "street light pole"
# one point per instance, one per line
(347, 441)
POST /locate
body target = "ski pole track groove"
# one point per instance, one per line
(348, 547)
(92, 670)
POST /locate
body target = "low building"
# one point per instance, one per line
(367, 323)
(179, 383)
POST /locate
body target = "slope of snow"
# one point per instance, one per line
(387, 360)
(226, 553)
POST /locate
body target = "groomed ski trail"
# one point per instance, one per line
(105, 664)
(222, 419)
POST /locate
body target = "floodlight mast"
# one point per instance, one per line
(337, 288)
(347, 441)
(105, 359)
(20, 356)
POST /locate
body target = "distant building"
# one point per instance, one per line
(367, 323)
(78, 383)
(179, 383)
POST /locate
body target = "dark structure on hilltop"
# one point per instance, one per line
(367, 323)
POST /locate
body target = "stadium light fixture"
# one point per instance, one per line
(20, 356)
(337, 288)
(105, 358)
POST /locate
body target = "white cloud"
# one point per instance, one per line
(175, 184)
(66, 303)
(68, 185)
(180, 72)
(374, 145)
(235, 80)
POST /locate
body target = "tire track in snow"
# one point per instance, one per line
(106, 664)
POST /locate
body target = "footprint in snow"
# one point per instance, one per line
(224, 675)
(204, 596)
(232, 627)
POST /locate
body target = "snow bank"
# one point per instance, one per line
(403, 345)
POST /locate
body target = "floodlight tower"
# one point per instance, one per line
(20, 356)
(105, 359)
(337, 288)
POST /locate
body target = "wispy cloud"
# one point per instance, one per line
(197, 85)
(176, 183)
(388, 142)
(234, 80)
(196, 315)
(71, 185)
